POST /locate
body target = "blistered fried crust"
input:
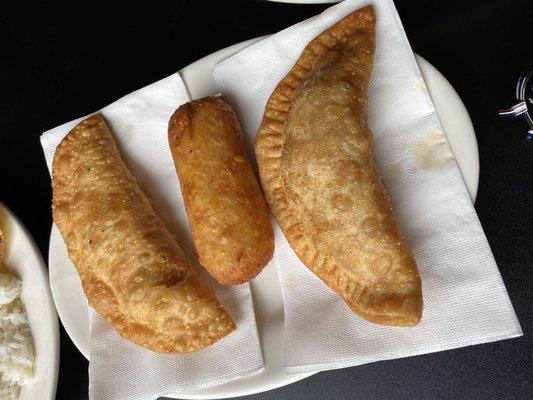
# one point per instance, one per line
(316, 165)
(131, 267)
(226, 209)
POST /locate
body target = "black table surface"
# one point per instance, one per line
(61, 62)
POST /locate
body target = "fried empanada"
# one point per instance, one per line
(131, 267)
(225, 206)
(315, 158)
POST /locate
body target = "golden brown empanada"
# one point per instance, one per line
(226, 210)
(314, 151)
(131, 267)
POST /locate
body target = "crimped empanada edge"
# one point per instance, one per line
(269, 148)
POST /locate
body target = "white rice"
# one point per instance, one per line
(16, 348)
(9, 391)
(10, 288)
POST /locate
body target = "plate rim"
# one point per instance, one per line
(306, 1)
(219, 55)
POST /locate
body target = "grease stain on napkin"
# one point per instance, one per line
(432, 151)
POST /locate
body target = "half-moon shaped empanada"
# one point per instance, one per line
(314, 151)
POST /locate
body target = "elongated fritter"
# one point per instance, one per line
(317, 168)
(131, 267)
(227, 213)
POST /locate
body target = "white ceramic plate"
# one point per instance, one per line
(23, 258)
(72, 305)
(306, 1)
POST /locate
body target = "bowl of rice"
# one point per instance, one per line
(29, 334)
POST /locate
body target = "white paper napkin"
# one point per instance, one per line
(119, 369)
(464, 296)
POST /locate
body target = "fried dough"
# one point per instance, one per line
(225, 206)
(317, 168)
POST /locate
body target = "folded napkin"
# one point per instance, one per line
(464, 296)
(119, 369)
